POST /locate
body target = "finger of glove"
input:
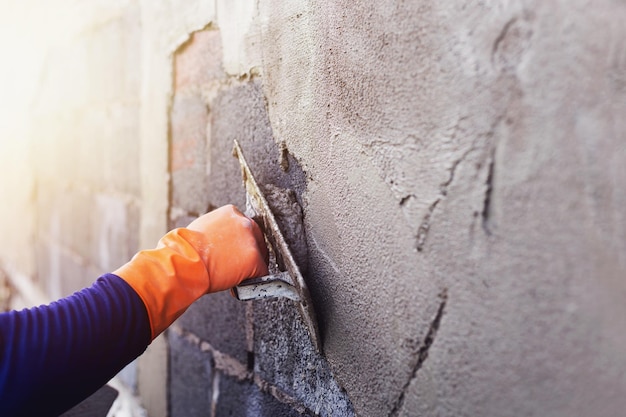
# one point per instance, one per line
(242, 258)
(235, 248)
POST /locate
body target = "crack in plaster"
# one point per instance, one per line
(501, 37)
(424, 227)
(422, 353)
(486, 213)
(509, 47)
(443, 188)
(486, 222)
(422, 231)
(512, 43)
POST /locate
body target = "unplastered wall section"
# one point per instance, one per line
(165, 26)
(17, 183)
(70, 145)
(85, 128)
(69, 141)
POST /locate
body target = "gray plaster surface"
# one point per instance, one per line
(465, 199)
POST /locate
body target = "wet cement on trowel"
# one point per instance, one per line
(288, 214)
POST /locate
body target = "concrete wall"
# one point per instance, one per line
(70, 149)
(465, 162)
(459, 166)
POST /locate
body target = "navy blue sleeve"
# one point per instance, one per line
(54, 356)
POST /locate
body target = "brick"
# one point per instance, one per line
(55, 155)
(243, 398)
(101, 65)
(17, 187)
(116, 229)
(188, 119)
(113, 59)
(105, 148)
(65, 217)
(121, 149)
(190, 384)
(48, 269)
(66, 77)
(180, 219)
(102, 230)
(60, 272)
(86, 144)
(285, 357)
(220, 320)
(199, 61)
(240, 113)
(196, 64)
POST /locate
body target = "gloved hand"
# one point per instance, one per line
(215, 252)
(234, 250)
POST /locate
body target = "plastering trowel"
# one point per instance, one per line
(285, 279)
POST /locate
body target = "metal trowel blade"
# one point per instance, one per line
(288, 282)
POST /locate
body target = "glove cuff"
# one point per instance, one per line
(170, 278)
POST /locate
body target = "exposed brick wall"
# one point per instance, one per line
(231, 357)
(84, 124)
(85, 119)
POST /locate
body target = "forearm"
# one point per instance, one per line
(56, 355)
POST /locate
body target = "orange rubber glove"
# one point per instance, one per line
(215, 252)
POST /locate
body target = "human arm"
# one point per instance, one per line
(54, 356)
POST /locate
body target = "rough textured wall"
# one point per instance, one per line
(461, 196)
(464, 206)
(460, 169)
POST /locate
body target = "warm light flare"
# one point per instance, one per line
(42, 92)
